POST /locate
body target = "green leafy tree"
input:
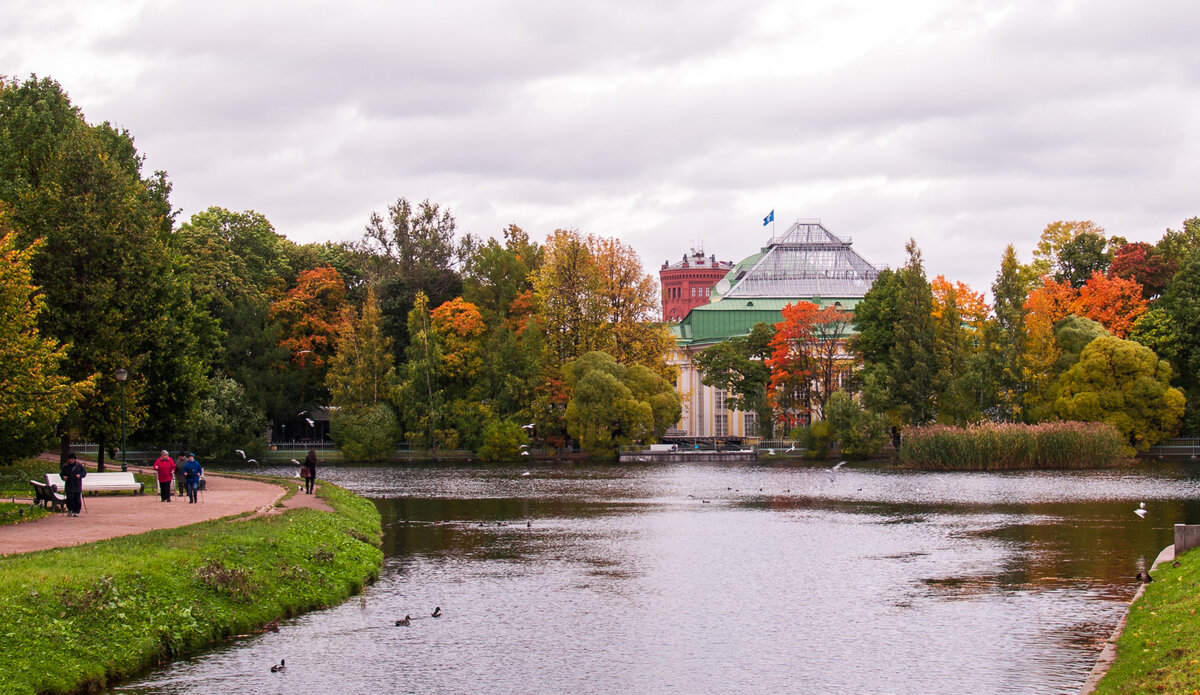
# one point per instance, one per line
(612, 404)
(34, 395)
(1055, 237)
(1004, 338)
(861, 433)
(895, 341)
(226, 420)
(1181, 304)
(1125, 384)
(411, 250)
(738, 367)
(1083, 255)
(113, 282)
(419, 393)
(367, 434)
(502, 440)
(1177, 244)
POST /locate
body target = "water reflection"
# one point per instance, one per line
(721, 580)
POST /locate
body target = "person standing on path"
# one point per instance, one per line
(72, 472)
(310, 465)
(191, 477)
(164, 467)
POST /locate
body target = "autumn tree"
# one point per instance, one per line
(361, 371)
(1145, 265)
(311, 315)
(34, 394)
(592, 294)
(1113, 302)
(809, 344)
(1125, 384)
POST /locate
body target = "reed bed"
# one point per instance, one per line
(996, 447)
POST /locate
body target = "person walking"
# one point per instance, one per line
(309, 472)
(191, 477)
(164, 467)
(72, 472)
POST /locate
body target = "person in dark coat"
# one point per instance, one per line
(72, 472)
(310, 467)
(191, 477)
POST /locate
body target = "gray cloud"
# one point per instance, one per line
(967, 125)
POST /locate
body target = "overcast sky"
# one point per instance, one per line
(966, 124)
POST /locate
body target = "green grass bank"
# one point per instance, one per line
(75, 618)
(1159, 649)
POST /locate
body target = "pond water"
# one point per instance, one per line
(720, 579)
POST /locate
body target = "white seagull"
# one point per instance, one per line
(240, 453)
(527, 427)
(1141, 510)
(310, 422)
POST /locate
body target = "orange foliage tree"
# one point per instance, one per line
(460, 328)
(311, 316)
(1113, 302)
(807, 361)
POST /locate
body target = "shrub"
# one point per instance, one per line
(502, 440)
(1012, 446)
(862, 433)
(365, 435)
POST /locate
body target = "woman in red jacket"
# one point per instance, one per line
(164, 466)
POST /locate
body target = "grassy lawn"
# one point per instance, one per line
(109, 609)
(1159, 650)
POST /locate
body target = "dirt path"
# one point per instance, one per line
(108, 516)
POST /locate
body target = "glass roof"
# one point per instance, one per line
(805, 261)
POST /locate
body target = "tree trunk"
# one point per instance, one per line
(100, 456)
(64, 448)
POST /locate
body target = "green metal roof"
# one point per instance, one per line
(728, 318)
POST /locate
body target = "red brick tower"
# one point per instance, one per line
(689, 283)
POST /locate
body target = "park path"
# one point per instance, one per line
(111, 515)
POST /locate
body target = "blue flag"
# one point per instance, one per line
(769, 218)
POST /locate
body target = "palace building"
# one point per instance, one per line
(805, 263)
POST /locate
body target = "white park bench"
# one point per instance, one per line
(101, 482)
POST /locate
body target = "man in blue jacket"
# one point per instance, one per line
(191, 477)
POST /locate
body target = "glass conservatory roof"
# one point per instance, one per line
(805, 261)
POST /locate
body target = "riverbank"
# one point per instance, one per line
(1159, 649)
(79, 617)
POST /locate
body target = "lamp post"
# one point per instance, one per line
(122, 375)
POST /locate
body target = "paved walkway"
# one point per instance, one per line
(110, 515)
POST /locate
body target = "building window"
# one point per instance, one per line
(720, 414)
(750, 424)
